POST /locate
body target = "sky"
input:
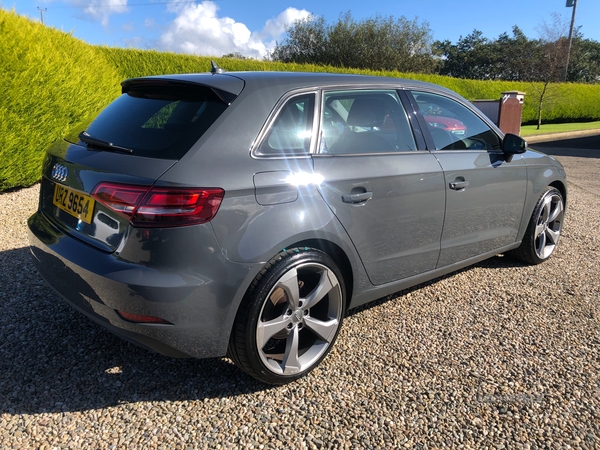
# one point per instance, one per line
(252, 28)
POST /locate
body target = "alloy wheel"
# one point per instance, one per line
(299, 319)
(548, 225)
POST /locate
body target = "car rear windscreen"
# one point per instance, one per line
(158, 121)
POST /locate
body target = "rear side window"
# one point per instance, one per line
(158, 122)
(291, 132)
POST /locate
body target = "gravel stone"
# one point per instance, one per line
(497, 356)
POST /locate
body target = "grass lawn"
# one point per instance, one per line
(555, 128)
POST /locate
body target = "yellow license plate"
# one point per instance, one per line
(76, 204)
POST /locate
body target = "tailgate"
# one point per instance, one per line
(70, 174)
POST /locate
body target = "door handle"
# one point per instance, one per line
(459, 185)
(357, 198)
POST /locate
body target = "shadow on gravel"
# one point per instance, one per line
(584, 147)
(497, 262)
(54, 359)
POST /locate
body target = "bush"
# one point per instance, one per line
(48, 80)
(567, 102)
(385, 43)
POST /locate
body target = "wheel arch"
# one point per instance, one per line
(542, 171)
(561, 187)
(353, 274)
(339, 257)
(258, 355)
(537, 189)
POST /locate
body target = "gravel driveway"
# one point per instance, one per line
(499, 355)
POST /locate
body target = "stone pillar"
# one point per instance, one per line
(511, 111)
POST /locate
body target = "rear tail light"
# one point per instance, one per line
(147, 206)
(122, 198)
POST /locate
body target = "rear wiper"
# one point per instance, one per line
(85, 137)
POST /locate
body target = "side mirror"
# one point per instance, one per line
(513, 144)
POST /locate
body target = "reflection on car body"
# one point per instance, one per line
(452, 125)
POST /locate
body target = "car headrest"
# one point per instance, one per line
(367, 112)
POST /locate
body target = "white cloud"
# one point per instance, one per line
(199, 30)
(99, 10)
(275, 28)
(137, 42)
(128, 27)
(102, 9)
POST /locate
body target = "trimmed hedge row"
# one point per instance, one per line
(48, 81)
(51, 82)
(564, 102)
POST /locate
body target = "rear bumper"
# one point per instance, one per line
(179, 275)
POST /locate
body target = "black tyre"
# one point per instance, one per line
(544, 228)
(290, 317)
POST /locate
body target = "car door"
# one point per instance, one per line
(485, 189)
(381, 183)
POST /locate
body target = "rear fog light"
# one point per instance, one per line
(143, 319)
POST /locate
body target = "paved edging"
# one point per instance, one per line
(535, 138)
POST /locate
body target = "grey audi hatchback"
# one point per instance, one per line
(242, 214)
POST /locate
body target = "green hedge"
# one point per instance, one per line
(565, 102)
(50, 82)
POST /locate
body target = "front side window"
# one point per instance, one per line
(290, 134)
(453, 126)
(364, 121)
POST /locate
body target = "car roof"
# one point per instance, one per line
(285, 81)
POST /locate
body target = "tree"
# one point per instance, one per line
(306, 42)
(515, 56)
(235, 55)
(476, 57)
(376, 43)
(548, 67)
(518, 58)
(470, 58)
(584, 64)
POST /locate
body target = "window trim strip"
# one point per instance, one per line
(272, 118)
(373, 87)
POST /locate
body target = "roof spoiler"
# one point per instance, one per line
(224, 96)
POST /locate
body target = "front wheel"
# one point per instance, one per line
(544, 228)
(290, 316)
